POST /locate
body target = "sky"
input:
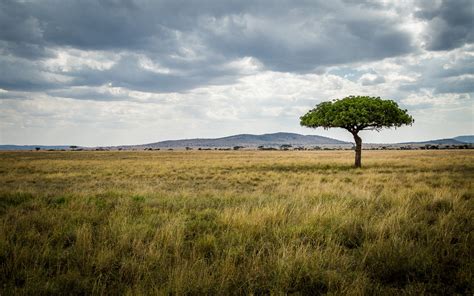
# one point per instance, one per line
(111, 72)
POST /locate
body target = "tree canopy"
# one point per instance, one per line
(356, 113)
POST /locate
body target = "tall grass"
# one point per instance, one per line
(236, 223)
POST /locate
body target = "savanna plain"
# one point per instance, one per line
(237, 222)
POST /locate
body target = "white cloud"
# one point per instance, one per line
(70, 59)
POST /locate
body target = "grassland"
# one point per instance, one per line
(236, 223)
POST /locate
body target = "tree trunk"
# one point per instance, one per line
(358, 151)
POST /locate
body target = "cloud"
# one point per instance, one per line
(131, 73)
(450, 23)
(20, 33)
(371, 79)
(211, 67)
(194, 41)
(304, 38)
(451, 72)
(24, 75)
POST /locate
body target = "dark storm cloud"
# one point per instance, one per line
(107, 24)
(128, 73)
(20, 32)
(23, 75)
(161, 31)
(450, 24)
(302, 38)
(194, 39)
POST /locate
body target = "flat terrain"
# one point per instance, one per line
(236, 222)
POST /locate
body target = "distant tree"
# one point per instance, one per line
(37, 148)
(355, 114)
(73, 147)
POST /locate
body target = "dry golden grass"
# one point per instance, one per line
(247, 222)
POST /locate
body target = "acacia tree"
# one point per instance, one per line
(355, 114)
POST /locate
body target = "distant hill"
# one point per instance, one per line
(450, 141)
(248, 140)
(465, 139)
(31, 147)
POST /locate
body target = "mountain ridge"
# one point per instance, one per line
(444, 141)
(247, 140)
(466, 139)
